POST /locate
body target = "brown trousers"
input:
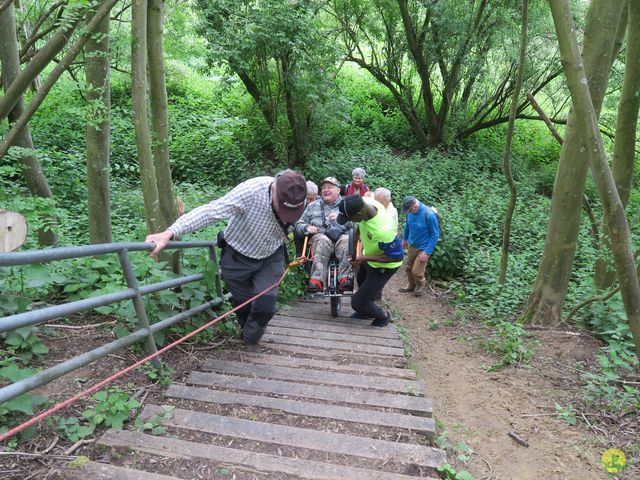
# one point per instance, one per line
(415, 268)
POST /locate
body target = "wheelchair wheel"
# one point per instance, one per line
(336, 304)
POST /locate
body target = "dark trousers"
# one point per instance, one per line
(371, 281)
(246, 277)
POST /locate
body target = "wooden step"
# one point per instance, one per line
(314, 314)
(335, 345)
(336, 355)
(415, 405)
(360, 337)
(316, 376)
(265, 463)
(297, 362)
(327, 326)
(300, 407)
(295, 437)
(104, 471)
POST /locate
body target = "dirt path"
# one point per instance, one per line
(479, 408)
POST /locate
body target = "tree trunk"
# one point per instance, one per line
(98, 133)
(141, 116)
(550, 288)
(160, 121)
(14, 91)
(296, 158)
(53, 77)
(434, 130)
(28, 32)
(33, 175)
(590, 133)
(406, 109)
(626, 133)
(159, 111)
(506, 232)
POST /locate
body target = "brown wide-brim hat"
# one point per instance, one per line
(291, 191)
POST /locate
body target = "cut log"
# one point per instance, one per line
(13, 231)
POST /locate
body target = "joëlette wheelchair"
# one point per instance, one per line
(331, 283)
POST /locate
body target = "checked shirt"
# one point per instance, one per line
(253, 230)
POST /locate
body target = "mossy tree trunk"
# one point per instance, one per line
(550, 288)
(34, 177)
(626, 130)
(98, 132)
(61, 66)
(160, 120)
(141, 116)
(587, 123)
(506, 166)
(13, 92)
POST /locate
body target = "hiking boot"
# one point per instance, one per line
(418, 291)
(315, 286)
(407, 289)
(345, 285)
(382, 322)
(253, 337)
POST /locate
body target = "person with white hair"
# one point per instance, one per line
(312, 192)
(357, 186)
(383, 195)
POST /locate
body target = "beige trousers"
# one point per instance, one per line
(415, 268)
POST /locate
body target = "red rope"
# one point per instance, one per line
(104, 382)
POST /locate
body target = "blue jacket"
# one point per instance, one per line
(421, 229)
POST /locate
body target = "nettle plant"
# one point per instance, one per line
(16, 410)
(112, 408)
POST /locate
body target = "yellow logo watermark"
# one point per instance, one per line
(613, 460)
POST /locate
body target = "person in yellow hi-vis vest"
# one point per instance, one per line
(381, 256)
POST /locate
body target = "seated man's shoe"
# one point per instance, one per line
(418, 291)
(407, 288)
(382, 322)
(345, 285)
(359, 316)
(315, 286)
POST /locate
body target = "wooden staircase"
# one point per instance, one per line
(318, 398)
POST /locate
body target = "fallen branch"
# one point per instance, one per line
(77, 445)
(78, 327)
(519, 439)
(50, 447)
(38, 455)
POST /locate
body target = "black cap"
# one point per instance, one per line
(407, 203)
(349, 207)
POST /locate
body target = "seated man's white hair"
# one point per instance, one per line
(312, 187)
(383, 192)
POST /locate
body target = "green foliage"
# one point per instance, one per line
(606, 387)
(509, 341)
(155, 424)
(450, 473)
(162, 375)
(15, 411)
(23, 344)
(567, 414)
(112, 408)
(71, 428)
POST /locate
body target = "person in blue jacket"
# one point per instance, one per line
(420, 236)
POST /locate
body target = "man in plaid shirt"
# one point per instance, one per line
(261, 211)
